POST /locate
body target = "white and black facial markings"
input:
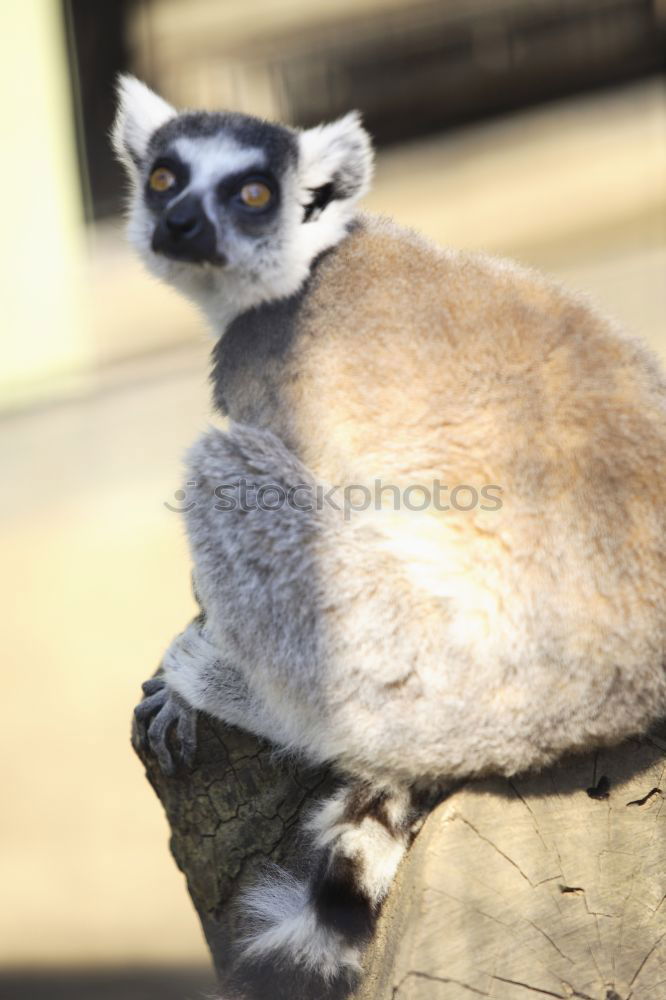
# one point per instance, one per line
(211, 158)
(197, 234)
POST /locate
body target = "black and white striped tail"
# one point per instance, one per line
(322, 925)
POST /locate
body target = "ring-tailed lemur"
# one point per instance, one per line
(407, 647)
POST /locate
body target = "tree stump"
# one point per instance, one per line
(547, 885)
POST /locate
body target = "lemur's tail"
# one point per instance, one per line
(322, 925)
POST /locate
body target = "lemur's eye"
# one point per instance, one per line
(255, 194)
(162, 179)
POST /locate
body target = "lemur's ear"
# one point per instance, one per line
(336, 162)
(140, 112)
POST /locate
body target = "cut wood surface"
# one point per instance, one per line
(547, 885)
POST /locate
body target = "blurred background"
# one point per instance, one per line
(534, 128)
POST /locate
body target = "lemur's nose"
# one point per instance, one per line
(184, 220)
(184, 232)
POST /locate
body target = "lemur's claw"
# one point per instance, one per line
(152, 685)
(154, 718)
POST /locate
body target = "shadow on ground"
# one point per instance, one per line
(108, 984)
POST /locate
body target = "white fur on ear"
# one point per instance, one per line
(140, 113)
(339, 154)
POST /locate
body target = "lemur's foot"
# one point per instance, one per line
(154, 718)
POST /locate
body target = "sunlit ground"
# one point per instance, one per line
(96, 576)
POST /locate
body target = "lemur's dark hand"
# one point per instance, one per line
(154, 718)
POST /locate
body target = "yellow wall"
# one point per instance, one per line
(42, 335)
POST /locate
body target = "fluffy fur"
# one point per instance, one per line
(412, 647)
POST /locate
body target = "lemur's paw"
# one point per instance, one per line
(154, 719)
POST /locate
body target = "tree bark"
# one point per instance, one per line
(547, 885)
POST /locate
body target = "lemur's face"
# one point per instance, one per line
(229, 208)
(215, 187)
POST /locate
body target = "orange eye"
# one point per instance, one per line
(162, 179)
(255, 195)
